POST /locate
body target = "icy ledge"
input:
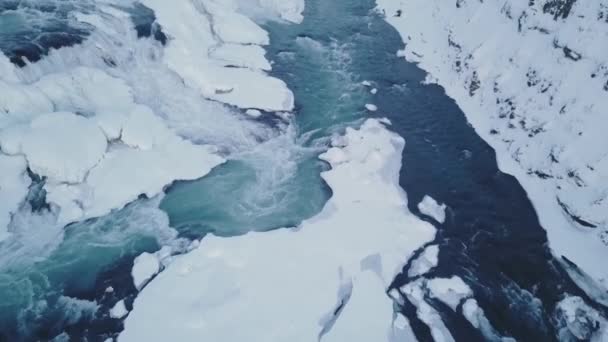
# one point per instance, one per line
(535, 87)
(216, 28)
(325, 280)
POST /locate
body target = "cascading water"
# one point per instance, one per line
(62, 281)
(272, 177)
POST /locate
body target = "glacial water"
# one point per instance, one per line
(56, 280)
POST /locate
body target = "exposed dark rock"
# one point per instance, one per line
(559, 8)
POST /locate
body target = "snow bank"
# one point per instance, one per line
(327, 277)
(199, 32)
(451, 291)
(535, 87)
(415, 293)
(14, 184)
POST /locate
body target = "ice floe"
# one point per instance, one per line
(14, 183)
(290, 10)
(579, 321)
(145, 266)
(425, 261)
(195, 30)
(429, 207)
(62, 146)
(76, 115)
(332, 271)
(254, 113)
(119, 310)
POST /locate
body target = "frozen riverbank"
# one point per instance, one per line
(533, 86)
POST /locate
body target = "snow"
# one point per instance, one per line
(144, 130)
(425, 262)
(82, 167)
(431, 208)
(290, 10)
(145, 266)
(451, 291)
(374, 91)
(254, 113)
(7, 69)
(535, 88)
(63, 146)
(197, 30)
(286, 284)
(580, 321)
(402, 330)
(371, 107)
(233, 27)
(414, 292)
(119, 310)
(476, 316)
(78, 91)
(14, 183)
(178, 159)
(244, 56)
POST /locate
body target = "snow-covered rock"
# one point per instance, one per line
(290, 10)
(429, 207)
(244, 56)
(535, 86)
(425, 262)
(145, 266)
(451, 291)
(254, 113)
(198, 29)
(371, 107)
(415, 293)
(327, 277)
(63, 146)
(119, 310)
(578, 321)
(14, 184)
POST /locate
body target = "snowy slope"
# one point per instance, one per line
(324, 280)
(532, 78)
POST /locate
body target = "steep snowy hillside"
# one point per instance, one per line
(532, 78)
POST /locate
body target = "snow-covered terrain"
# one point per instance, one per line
(320, 280)
(88, 117)
(532, 78)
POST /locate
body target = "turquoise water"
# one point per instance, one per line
(53, 279)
